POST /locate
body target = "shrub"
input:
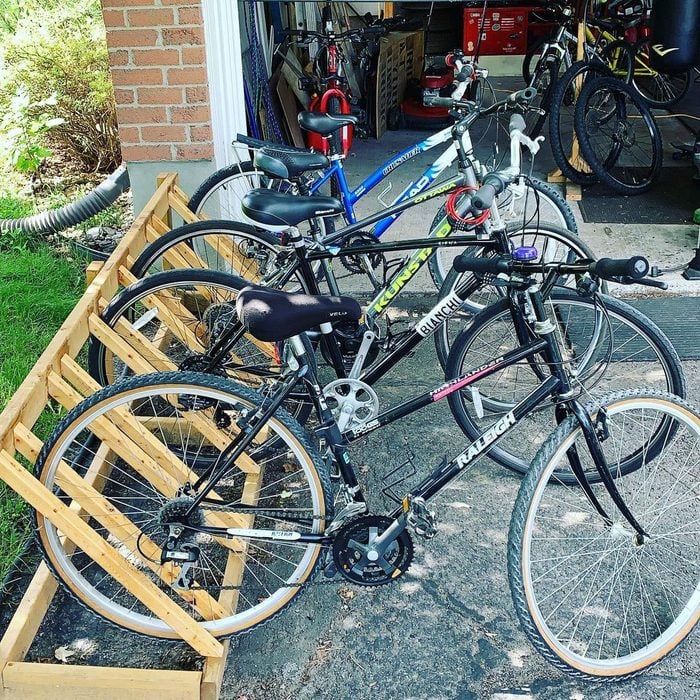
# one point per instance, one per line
(60, 49)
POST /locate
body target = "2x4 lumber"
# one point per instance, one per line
(47, 681)
(180, 206)
(79, 532)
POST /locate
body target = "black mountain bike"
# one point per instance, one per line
(223, 499)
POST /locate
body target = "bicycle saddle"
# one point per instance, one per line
(324, 124)
(270, 315)
(281, 210)
(288, 164)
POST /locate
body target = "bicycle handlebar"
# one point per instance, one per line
(626, 271)
(357, 33)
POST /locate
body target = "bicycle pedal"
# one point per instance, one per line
(422, 520)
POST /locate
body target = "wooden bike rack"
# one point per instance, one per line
(58, 377)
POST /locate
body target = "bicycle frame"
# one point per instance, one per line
(351, 197)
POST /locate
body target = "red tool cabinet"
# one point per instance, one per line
(504, 30)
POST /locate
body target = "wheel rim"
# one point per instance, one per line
(285, 460)
(225, 200)
(575, 514)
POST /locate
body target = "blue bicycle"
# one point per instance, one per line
(527, 201)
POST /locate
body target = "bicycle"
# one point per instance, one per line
(194, 310)
(239, 513)
(220, 196)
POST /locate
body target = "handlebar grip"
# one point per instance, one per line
(464, 75)
(490, 266)
(437, 101)
(483, 199)
(522, 96)
(635, 268)
(517, 123)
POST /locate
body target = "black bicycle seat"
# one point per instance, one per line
(270, 315)
(287, 164)
(324, 124)
(270, 208)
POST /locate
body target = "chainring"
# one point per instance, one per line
(352, 263)
(355, 559)
(352, 402)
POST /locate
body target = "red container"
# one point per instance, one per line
(504, 31)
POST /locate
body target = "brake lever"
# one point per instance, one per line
(645, 282)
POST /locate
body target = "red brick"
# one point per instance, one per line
(129, 135)
(151, 17)
(190, 115)
(137, 76)
(118, 58)
(123, 97)
(196, 94)
(189, 15)
(194, 152)
(114, 18)
(115, 4)
(200, 133)
(163, 134)
(150, 152)
(159, 96)
(193, 55)
(183, 36)
(131, 37)
(156, 57)
(141, 115)
(187, 76)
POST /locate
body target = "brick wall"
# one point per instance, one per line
(158, 65)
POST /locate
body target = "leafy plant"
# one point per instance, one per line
(60, 49)
(26, 124)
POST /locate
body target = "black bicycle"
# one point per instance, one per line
(223, 499)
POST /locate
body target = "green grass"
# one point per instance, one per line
(38, 289)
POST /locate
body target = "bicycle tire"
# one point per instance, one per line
(611, 116)
(657, 89)
(559, 244)
(219, 196)
(173, 310)
(142, 500)
(547, 206)
(561, 119)
(531, 54)
(633, 335)
(212, 245)
(550, 561)
(618, 56)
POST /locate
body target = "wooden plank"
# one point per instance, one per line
(92, 270)
(71, 524)
(30, 613)
(33, 681)
(182, 209)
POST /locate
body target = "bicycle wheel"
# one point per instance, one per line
(611, 117)
(658, 89)
(552, 243)
(606, 347)
(618, 57)
(227, 246)
(593, 600)
(528, 206)
(279, 483)
(561, 120)
(220, 195)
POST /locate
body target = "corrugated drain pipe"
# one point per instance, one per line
(104, 195)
